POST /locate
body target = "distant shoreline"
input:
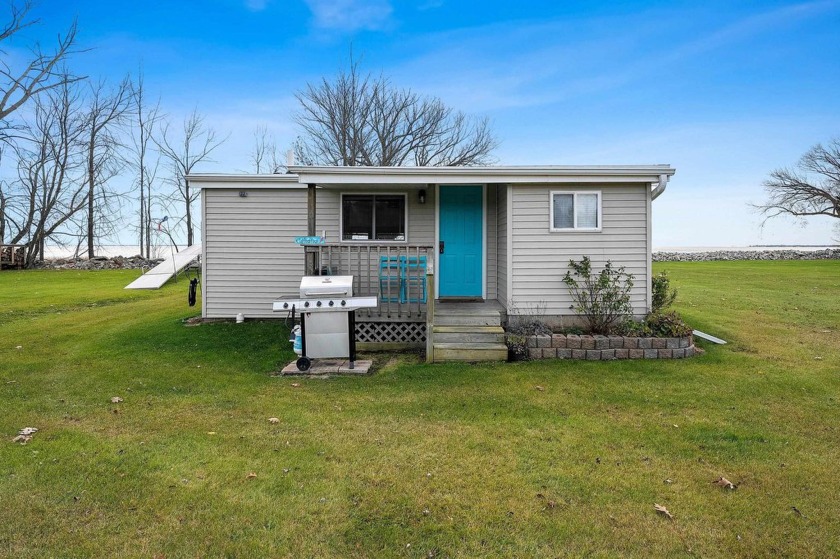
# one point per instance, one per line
(699, 253)
(748, 248)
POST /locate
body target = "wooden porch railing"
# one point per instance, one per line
(394, 273)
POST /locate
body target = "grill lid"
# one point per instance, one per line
(315, 286)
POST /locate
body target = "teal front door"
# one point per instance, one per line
(461, 246)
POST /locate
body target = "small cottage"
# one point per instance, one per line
(452, 253)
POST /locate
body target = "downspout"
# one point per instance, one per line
(660, 188)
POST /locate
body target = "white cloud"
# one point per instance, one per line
(351, 15)
(430, 5)
(256, 5)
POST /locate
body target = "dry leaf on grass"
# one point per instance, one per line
(25, 435)
(116, 400)
(252, 475)
(273, 420)
(725, 483)
(662, 510)
(540, 388)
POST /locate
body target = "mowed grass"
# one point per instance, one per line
(417, 460)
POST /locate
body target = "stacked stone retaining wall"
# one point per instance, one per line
(604, 348)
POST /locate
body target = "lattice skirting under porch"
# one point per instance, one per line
(391, 332)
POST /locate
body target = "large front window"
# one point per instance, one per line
(373, 217)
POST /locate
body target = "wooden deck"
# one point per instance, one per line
(408, 315)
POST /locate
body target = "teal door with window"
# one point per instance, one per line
(461, 244)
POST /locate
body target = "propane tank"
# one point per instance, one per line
(297, 346)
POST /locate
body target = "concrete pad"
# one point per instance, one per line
(324, 367)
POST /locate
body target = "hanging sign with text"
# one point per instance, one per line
(309, 240)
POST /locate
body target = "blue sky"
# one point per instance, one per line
(723, 91)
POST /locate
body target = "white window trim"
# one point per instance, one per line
(575, 228)
(370, 241)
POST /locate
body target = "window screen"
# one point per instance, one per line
(587, 211)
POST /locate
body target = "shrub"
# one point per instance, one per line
(662, 294)
(633, 328)
(603, 299)
(667, 325)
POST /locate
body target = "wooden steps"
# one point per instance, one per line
(468, 332)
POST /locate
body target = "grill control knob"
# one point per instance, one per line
(332, 302)
(343, 303)
(306, 304)
(318, 304)
(285, 305)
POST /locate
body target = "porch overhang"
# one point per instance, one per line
(545, 174)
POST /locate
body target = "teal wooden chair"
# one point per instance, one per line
(390, 284)
(412, 279)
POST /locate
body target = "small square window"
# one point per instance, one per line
(575, 211)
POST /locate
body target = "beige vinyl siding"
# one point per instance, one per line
(540, 258)
(250, 257)
(501, 244)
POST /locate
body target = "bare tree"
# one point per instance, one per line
(146, 119)
(357, 119)
(42, 72)
(812, 188)
(265, 157)
(194, 145)
(107, 111)
(50, 189)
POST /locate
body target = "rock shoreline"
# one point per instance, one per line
(137, 262)
(770, 254)
(100, 263)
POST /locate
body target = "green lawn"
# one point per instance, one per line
(417, 460)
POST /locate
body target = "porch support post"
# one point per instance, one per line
(430, 311)
(310, 228)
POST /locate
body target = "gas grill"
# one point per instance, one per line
(327, 319)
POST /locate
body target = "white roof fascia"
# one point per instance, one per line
(242, 181)
(483, 175)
